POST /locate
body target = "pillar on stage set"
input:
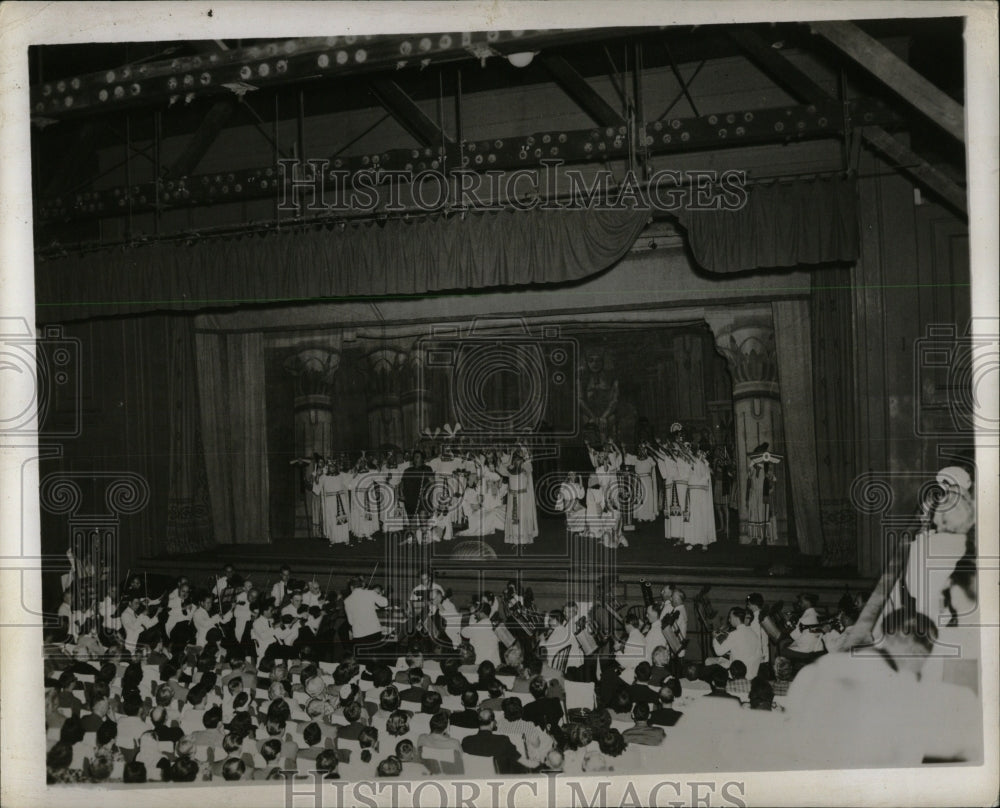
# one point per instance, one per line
(386, 380)
(314, 370)
(745, 337)
(418, 399)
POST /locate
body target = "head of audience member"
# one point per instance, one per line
(642, 672)
(134, 772)
(390, 767)
(107, 733)
(578, 736)
(233, 769)
(326, 764)
(406, 751)
(212, 717)
(486, 719)
(71, 731)
(514, 657)
(397, 724)
(439, 723)
(538, 687)
(101, 766)
(430, 702)
(353, 711)
(470, 698)
(667, 694)
(368, 741)
(660, 656)
(270, 750)
(512, 709)
(719, 679)
(692, 671)
(487, 671)
(784, 670)
(100, 707)
(611, 742)
(594, 762)
(495, 689)
(312, 734)
(415, 677)
(389, 699)
(621, 701)
(640, 713)
(737, 670)
(183, 770)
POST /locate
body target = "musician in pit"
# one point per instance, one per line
(139, 625)
(481, 635)
(280, 587)
(755, 608)
(806, 635)
(361, 608)
(737, 642)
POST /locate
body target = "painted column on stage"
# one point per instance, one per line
(314, 370)
(746, 339)
(386, 380)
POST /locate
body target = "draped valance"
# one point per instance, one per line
(782, 224)
(397, 257)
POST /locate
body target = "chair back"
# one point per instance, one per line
(560, 659)
(479, 766)
(579, 695)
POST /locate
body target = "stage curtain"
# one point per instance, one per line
(189, 522)
(795, 377)
(783, 224)
(475, 251)
(231, 390)
(835, 404)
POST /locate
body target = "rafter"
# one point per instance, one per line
(896, 74)
(406, 112)
(803, 88)
(200, 142)
(579, 89)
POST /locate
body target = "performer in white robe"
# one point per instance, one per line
(333, 489)
(701, 526)
(645, 471)
(674, 462)
(493, 487)
(762, 525)
(606, 465)
(364, 519)
(521, 522)
(484, 518)
(569, 500)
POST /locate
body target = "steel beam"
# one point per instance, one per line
(673, 136)
(579, 89)
(407, 114)
(282, 62)
(200, 142)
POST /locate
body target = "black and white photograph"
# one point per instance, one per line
(552, 404)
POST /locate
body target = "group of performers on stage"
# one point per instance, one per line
(471, 493)
(463, 491)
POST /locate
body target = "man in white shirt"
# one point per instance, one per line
(481, 636)
(293, 605)
(203, 621)
(136, 625)
(179, 610)
(741, 643)
(755, 606)
(108, 611)
(280, 587)
(262, 630)
(424, 588)
(360, 608)
(807, 639)
(313, 596)
(449, 615)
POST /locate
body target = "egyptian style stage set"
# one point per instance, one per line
(217, 338)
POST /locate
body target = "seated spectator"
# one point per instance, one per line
(468, 718)
(132, 724)
(327, 764)
(362, 766)
(438, 738)
(356, 719)
(406, 753)
(212, 733)
(234, 769)
(398, 724)
(693, 681)
(57, 765)
(784, 672)
(415, 691)
(660, 669)
(718, 682)
(390, 767)
(134, 772)
(495, 692)
(487, 743)
(761, 695)
(545, 711)
(98, 712)
(640, 690)
(621, 705)
(614, 747)
(643, 733)
(664, 715)
(738, 684)
(183, 770)
(511, 721)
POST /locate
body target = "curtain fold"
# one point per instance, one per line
(477, 251)
(189, 522)
(231, 388)
(783, 224)
(792, 336)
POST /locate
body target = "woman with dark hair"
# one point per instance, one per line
(327, 763)
(57, 765)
